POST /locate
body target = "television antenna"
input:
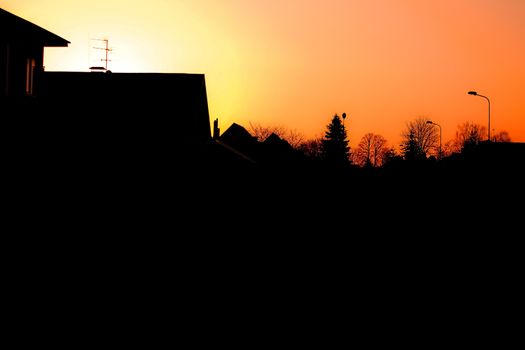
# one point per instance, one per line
(106, 59)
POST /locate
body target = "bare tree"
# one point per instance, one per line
(293, 137)
(421, 138)
(361, 156)
(262, 132)
(371, 150)
(501, 136)
(448, 148)
(468, 136)
(312, 148)
(379, 150)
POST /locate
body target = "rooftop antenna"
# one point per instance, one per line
(106, 59)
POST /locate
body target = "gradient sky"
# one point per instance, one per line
(296, 63)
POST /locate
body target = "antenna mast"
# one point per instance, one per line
(107, 51)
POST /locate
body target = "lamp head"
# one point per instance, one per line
(344, 115)
(429, 122)
(474, 93)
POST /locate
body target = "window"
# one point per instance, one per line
(4, 69)
(30, 71)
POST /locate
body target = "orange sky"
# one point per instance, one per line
(297, 62)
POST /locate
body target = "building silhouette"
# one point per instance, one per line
(101, 119)
(22, 54)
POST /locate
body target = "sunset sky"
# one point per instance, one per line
(296, 63)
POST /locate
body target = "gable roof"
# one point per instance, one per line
(14, 29)
(237, 134)
(275, 141)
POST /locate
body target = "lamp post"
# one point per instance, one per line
(474, 93)
(440, 135)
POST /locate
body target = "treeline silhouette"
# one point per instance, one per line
(467, 157)
(324, 178)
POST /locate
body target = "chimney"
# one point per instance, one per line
(216, 130)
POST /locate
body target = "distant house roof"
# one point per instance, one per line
(14, 29)
(239, 139)
(276, 141)
(279, 151)
(237, 135)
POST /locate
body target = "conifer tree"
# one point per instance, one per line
(410, 148)
(335, 149)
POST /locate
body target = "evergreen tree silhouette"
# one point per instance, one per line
(411, 149)
(335, 149)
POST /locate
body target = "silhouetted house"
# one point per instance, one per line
(275, 141)
(493, 165)
(237, 136)
(239, 139)
(97, 115)
(22, 54)
(278, 151)
(141, 110)
(274, 151)
(501, 156)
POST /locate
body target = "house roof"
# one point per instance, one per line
(160, 107)
(237, 134)
(275, 141)
(14, 29)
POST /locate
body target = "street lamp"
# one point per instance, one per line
(440, 135)
(474, 93)
(344, 117)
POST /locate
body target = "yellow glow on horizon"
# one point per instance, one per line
(297, 62)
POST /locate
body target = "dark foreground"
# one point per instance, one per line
(142, 238)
